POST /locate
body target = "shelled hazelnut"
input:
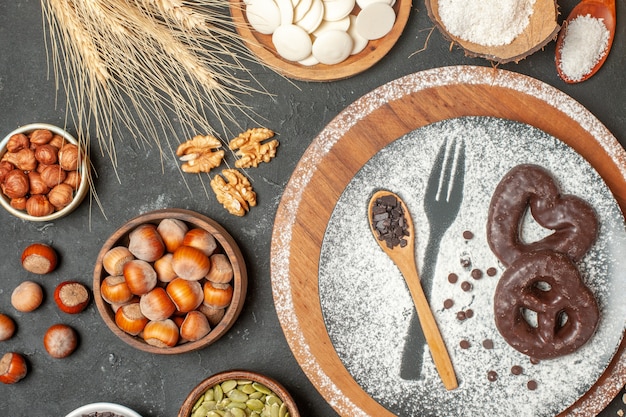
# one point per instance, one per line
(32, 168)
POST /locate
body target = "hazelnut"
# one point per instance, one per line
(17, 142)
(46, 154)
(5, 168)
(23, 159)
(15, 184)
(72, 179)
(58, 141)
(61, 195)
(60, 341)
(38, 205)
(53, 175)
(39, 258)
(12, 368)
(37, 185)
(18, 203)
(41, 136)
(68, 157)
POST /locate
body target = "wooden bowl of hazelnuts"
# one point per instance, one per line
(43, 172)
(170, 281)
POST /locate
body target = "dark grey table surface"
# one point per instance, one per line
(105, 369)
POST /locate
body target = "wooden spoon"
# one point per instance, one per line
(600, 9)
(404, 257)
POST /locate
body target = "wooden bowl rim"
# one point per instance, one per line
(231, 249)
(262, 48)
(271, 383)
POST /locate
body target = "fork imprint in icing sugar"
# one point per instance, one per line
(442, 200)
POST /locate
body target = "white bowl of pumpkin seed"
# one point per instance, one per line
(239, 394)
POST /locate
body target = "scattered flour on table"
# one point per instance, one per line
(367, 306)
(486, 22)
(282, 272)
(584, 45)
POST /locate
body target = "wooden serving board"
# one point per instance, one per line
(358, 133)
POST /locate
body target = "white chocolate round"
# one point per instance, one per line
(313, 18)
(375, 21)
(342, 24)
(359, 42)
(332, 47)
(263, 16)
(292, 42)
(337, 9)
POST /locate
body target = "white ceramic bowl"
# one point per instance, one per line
(79, 195)
(102, 407)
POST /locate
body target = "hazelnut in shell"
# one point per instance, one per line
(114, 260)
(7, 327)
(172, 232)
(221, 270)
(190, 263)
(145, 243)
(114, 290)
(163, 268)
(27, 296)
(39, 258)
(200, 239)
(60, 340)
(140, 276)
(195, 326)
(186, 295)
(71, 297)
(163, 333)
(156, 304)
(130, 319)
(217, 295)
(12, 368)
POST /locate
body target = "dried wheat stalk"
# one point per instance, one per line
(161, 69)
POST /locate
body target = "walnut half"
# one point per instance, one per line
(234, 192)
(250, 147)
(200, 154)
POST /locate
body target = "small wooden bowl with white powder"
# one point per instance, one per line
(498, 30)
(320, 40)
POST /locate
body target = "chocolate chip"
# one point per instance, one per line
(469, 313)
(492, 376)
(466, 262)
(389, 222)
(464, 344)
(517, 370)
(488, 344)
(532, 385)
(466, 286)
(453, 278)
(460, 316)
(534, 361)
(491, 271)
(448, 303)
(477, 273)
(468, 235)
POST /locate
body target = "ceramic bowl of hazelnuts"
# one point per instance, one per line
(43, 172)
(170, 281)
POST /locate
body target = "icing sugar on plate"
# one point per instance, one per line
(368, 326)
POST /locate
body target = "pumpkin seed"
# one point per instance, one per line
(262, 388)
(219, 394)
(237, 395)
(257, 395)
(254, 404)
(247, 388)
(273, 399)
(215, 413)
(201, 411)
(198, 403)
(228, 385)
(282, 411)
(238, 412)
(209, 395)
(274, 409)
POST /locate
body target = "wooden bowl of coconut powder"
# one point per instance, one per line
(498, 30)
